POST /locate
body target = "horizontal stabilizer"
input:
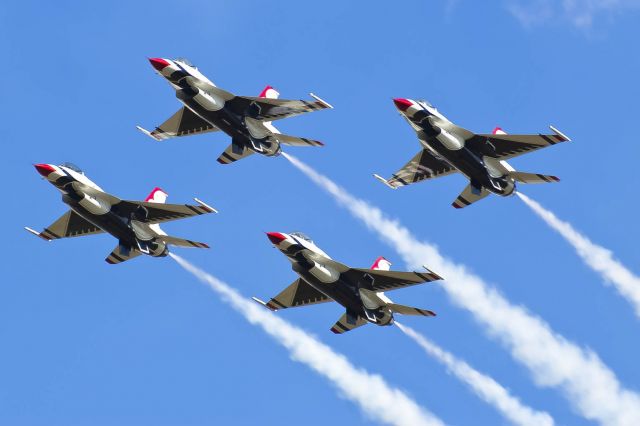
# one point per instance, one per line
(122, 254)
(296, 141)
(523, 177)
(469, 196)
(181, 242)
(344, 324)
(234, 153)
(409, 310)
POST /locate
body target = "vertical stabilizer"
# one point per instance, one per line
(157, 195)
(269, 93)
(381, 264)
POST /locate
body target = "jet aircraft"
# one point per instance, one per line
(134, 223)
(360, 291)
(448, 148)
(247, 120)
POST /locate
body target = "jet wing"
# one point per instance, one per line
(505, 146)
(423, 165)
(300, 293)
(183, 123)
(158, 213)
(379, 280)
(267, 109)
(69, 224)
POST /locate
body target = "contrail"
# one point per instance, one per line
(589, 385)
(492, 392)
(370, 392)
(596, 257)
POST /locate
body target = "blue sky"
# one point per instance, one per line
(144, 343)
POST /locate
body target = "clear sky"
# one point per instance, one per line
(143, 343)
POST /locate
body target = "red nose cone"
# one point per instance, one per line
(44, 169)
(402, 104)
(158, 63)
(276, 237)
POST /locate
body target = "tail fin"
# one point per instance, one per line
(269, 93)
(409, 310)
(498, 131)
(381, 264)
(157, 195)
(523, 177)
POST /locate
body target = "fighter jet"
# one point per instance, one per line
(134, 223)
(360, 291)
(247, 120)
(448, 148)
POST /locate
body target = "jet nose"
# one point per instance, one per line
(402, 104)
(44, 169)
(158, 63)
(276, 237)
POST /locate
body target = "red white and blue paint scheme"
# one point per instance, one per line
(359, 291)
(134, 223)
(247, 120)
(448, 148)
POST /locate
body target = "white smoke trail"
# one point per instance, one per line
(482, 385)
(370, 392)
(596, 257)
(588, 384)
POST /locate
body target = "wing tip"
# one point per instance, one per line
(205, 206)
(148, 133)
(335, 330)
(321, 101)
(384, 181)
(433, 274)
(265, 304)
(564, 137)
(36, 233)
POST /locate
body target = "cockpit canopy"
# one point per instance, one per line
(186, 62)
(302, 236)
(426, 103)
(73, 167)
